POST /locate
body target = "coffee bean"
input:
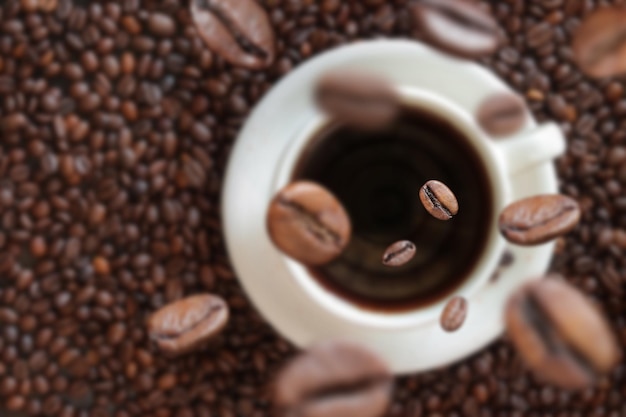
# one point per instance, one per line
(599, 43)
(438, 200)
(538, 219)
(399, 253)
(307, 223)
(359, 99)
(454, 314)
(501, 114)
(237, 30)
(457, 27)
(161, 24)
(187, 324)
(333, 378)
(560, 334)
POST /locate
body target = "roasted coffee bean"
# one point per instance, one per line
(438, 200)
(237, 30)
(560, 334)
(454, 314)
(306, 222)
(399, 253)
(538, 219)
(333, 378)
(502, 114)
(187, 324)
(599, 43)
(457, 27)
(358, 99)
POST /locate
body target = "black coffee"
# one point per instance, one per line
(377, 176)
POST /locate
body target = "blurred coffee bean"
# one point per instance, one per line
(237, 30)
(399, 253)
(307, 223)
(333, 378)
(439, 200)
(457, 27)
(453, 314)
(599, 43)
(502, 114)
(538, 219)
(186, 325)
(560, 334)
(361, 100)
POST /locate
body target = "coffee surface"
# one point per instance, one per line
(379, 176)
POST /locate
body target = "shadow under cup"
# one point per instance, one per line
(377, 176)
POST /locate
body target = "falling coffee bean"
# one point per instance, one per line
(399, 253)
(333, 379)
(457, 27)
(438, 200)
(307, 223)
(358, 99)
(237, 30)
(186, 325)
(502, 114)
(538, 219)
(454, 313)
(560, 334)
(599, 43)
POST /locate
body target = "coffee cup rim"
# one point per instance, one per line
(426, 102)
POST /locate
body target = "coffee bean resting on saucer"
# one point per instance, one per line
(457, 27)
(454, 314)
(306, 222)
(439, 200)
(187, 324)
(333, 379)
(538, 219)
(358, 99)
(560, 334)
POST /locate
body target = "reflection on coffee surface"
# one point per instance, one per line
(377, 177)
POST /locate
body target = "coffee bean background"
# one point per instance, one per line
(116, 124)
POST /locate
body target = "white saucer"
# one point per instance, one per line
(249, 185)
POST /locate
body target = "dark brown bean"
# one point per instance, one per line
(333, 378)
(399, 253)
(457, 27)
(502, 114)
(237, 30)
(454, 314)
(560, 334)
(439, 200)
(306, 222)
(538, 219)
(187, 324)
(600, 41)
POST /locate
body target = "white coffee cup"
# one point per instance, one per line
(263, 161)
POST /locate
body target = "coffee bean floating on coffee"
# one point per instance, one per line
(560, 334)
(187, 324)
(438, 200)
(358, 99)
(454, 314)
(502, 114)
(333, 379)
(599, 43)
(538, 219)
(457, 27)
(306, 222)
(237, 30)
(399, 253)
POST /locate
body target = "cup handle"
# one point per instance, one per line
(529, 149)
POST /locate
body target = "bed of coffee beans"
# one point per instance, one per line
(116, 124)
